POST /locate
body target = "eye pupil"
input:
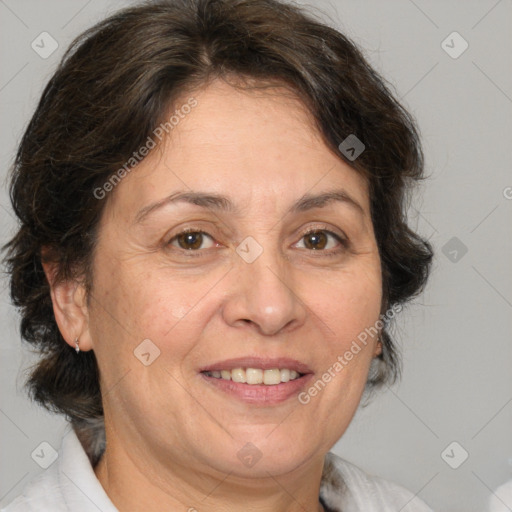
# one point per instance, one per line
(317, 240)
(190, 240)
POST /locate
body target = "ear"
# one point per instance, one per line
(70, 308)
(378, 348)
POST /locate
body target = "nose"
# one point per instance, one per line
(262, 297)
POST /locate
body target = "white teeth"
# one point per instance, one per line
(238, 375)
(256, 375)
(271, 377)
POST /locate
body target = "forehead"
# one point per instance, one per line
(257, 144)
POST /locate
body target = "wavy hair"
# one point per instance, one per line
(112, 88)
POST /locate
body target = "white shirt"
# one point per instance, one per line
(501, 498)
(70, 485)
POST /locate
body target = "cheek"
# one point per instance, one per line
(348, 302)
(135, 302)
(137, 298)
(348, 307)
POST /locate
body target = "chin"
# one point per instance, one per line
(263, 455)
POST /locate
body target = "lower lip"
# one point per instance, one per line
(260, 394)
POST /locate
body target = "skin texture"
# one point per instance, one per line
(172, 438)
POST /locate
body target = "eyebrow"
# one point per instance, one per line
(210, 201)
(219, 202)
(310, 201)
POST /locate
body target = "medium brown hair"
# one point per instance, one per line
(116, 83)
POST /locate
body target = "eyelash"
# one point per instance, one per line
(326, 253)
(187, 252)
(329, 252)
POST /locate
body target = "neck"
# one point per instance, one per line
(136, 484)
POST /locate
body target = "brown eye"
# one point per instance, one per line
(192, 240)
(315, 240)
(319, 240)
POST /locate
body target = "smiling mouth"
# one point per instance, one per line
(255, 376)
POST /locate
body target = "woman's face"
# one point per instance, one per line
(278, 269)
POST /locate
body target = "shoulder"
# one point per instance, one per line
(69, 484)
(42, 493)
(501, 498)
(346, 487)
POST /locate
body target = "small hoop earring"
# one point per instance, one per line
(77, 348)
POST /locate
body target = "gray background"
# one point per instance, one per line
(456, 338)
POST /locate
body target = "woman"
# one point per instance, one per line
(212, 246)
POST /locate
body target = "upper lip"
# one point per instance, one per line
(265, 363)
